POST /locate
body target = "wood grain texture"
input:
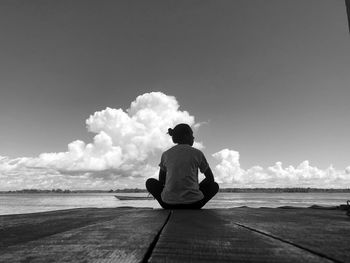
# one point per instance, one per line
(25, 227)
(326, 232)
(110, 235)
(209, 236)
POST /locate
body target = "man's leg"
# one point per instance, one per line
(155, 188)
(209, 190)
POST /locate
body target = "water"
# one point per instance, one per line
(30, 203)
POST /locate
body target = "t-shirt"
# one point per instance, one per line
(181, 164)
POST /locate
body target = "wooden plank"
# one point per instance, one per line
(325, 232)
(210, 236)
(25, 227)
(126, 234)
(125, 237)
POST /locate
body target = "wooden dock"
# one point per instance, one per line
(155, 235)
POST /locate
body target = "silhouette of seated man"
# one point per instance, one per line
(178, 187)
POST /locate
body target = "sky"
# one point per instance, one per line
(88, 90)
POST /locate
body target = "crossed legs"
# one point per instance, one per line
(209, 189)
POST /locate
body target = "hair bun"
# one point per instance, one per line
(170, 131)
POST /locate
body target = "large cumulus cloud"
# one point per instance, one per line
(124, 140)
(230, 174)
(124, 144)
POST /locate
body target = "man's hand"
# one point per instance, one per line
(162, 175)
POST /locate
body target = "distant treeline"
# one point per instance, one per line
(58, 191)
(255, 190)
(223, 190)
(285, 190)
(33, 191)
(67, 191)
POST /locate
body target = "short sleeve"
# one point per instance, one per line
(203, 165)
(162, 163)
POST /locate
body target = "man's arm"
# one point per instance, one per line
(162, 175)
(209, 175)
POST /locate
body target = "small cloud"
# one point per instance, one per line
(229, 172)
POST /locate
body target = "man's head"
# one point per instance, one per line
(182, 134)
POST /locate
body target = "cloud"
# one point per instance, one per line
(123, 147)
(126, 148)
(228, 170)
(230, 174)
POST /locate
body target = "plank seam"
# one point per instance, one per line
(288, 242)
(155, 241)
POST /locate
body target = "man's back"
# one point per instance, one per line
(181, 164)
